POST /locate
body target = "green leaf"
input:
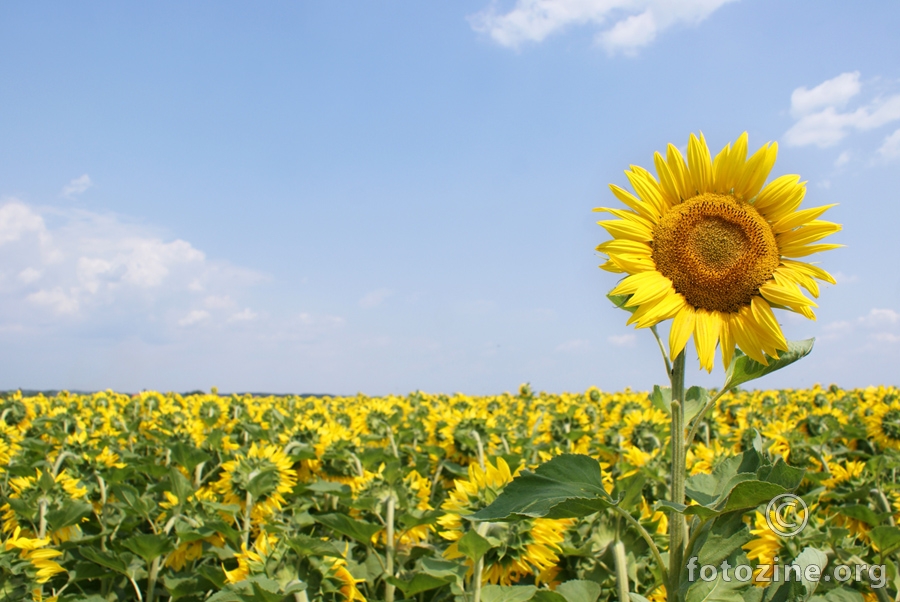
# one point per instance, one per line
(567, 486)
(860, 512)
(620, 301)
(725, 535)
(695, 399)
(104, 559)
(885, 538)
(810, 556)
(661, 399)
(359, 530)
(69, 514)
(310, 546)
(717, 590)
(473, 545)
(743, 369)
(421, 582)
(545, 595)
(148, 546)
(507, 593)
(188, 456)
(179, 485)
(579, 590)
(264, 482)
(632, 488)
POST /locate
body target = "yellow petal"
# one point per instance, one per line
(671, 192)
(755, 172)
(785, 190)
(643, 209)
(678, 169)
(811, 232)
(646, 186)
(627, 230)
(726, 343)
(699, 165)
(804, 250)
(653, 313)
(707, 326)
(682, 327)
(654, 287)
(800, 218)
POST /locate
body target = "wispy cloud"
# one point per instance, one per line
(822, 120)
(573, 346)
(890, 149)
(623, 340)
(77, 186)
(624, 25)
(375, 298)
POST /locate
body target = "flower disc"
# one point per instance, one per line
(717, 251)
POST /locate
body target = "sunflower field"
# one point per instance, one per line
(196, 497)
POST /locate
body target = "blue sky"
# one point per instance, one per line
(390, 196)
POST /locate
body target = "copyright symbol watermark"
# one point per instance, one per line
(782, 510)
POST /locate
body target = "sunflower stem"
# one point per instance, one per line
(700, 415)
(677, 526)
(662, 349)
(482, 530)
(621, 571)
(389, 548)
(248, 510)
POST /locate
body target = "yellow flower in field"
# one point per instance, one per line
(529, 546)
(337, 570)
(250, 561)
(33, 550)
(265, 473)
(709, 246)
(883, 423)
(655, 516)
(763, 549)
(842, 473)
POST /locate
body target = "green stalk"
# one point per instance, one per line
(677, 526)
(621, 571)
(389, 548)
(248, 510)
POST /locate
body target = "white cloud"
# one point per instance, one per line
(194, 317)
(100, 267)
(626, 25)
(17, 219)
(821, 120)
(630, 34)
(834, 92)
(374, 298)
(842, 159)
(575, 345)
(890, 149)
(77, 186)
(622, 340)
(879, 317)
(55, 299)
(29, 275)
(245, 315)
(887, 337)
(219, 302)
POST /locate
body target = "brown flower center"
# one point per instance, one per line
(716, 250)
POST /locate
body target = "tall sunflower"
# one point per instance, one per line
(708, 245)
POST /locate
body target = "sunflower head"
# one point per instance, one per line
(707, 244)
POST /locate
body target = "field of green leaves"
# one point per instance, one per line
(109, 497)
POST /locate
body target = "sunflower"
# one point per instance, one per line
(265, 472)
(883, 423)
(708, 245)
(529, 547)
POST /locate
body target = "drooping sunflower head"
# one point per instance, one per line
(883, 423)
(710, 246)
(529, 547)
